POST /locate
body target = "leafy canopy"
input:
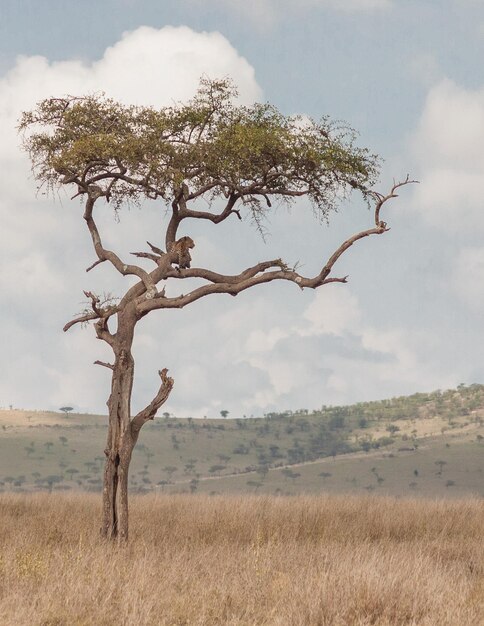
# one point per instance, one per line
(207, 147)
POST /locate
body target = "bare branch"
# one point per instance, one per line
(102, 331)
(91, 267)
(107, 255)
(257, 274)
(157, 255)
(150, 411)
(81, 320)
(216, 218)
(155, 249)
(98, 313)
(319, 280)
(232, 289)
(380, 226)
(94, 303)
(344, 279)
(108, 365)
(203, 190)
(381, 199)
(147, 255)
(215, 277)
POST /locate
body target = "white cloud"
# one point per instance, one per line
(452, 127)
(448, 148)
(263, 341)
(253, 353)
(161, 66)
(333, 310)
(147, 66)
(43, 247)
(328, 354)
(451, 198)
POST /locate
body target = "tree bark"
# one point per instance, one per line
(120, 441)
(123, 431)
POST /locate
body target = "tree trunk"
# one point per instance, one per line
(123, 470)
(120, 442)
(123, 431)
(115, 490)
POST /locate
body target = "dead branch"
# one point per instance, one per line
(94, 303)
(156, 250)
(146, 255)
(150, 411)
(216, 218)
(380, 227)
(108, 365)
(91, 267)
(215, 277)
(108, 255)
(88, 317)
(344, 279)
(258, 274)
(98, 313)
(381, 199)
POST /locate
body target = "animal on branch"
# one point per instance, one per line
(180, 251)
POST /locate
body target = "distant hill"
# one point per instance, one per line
(429, 444)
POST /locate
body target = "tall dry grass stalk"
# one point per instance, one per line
(195, 560)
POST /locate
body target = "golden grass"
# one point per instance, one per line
(196, 560)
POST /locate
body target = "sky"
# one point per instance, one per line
(408, 75)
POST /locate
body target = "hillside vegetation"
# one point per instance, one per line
(428, 444)
(227, 560)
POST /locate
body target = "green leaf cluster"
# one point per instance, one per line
(210, 147)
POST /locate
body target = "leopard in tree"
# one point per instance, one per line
(181, 250)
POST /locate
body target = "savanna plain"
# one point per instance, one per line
(243, 559)
(367, 514)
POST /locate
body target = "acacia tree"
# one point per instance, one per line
(209, 153)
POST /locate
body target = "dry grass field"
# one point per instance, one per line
(225, 560)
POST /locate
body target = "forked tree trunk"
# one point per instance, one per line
(120, 441)
(123, 430)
